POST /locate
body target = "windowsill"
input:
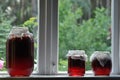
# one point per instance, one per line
(61, 77)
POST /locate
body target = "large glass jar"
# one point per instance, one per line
(20, 52)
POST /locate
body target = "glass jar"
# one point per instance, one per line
(20, 52)
(76, 62)
(101, 63)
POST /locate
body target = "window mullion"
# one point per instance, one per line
(54, 49)
(118, 31)
(47, 57)
(115, 36)
(48, 37)
(51, 46)
(42, 37)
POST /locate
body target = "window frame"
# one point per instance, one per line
(48, 37)
(48, 43)
(115, 37)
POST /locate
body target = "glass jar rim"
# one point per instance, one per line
(77, 53)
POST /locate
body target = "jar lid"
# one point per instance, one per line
(19, 31)
(77, 54)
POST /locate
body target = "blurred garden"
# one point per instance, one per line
(83, 25)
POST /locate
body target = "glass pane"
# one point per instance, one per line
(83, 25)
(21, 13)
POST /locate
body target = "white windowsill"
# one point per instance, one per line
(61, 76)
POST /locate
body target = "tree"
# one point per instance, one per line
(5, 26)
(20, 10)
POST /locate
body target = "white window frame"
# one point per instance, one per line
(115, 37)
(48, 37)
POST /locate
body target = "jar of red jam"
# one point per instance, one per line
(101, 63)
(20, 52)
(76, 62)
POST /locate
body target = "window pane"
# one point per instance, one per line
(17, 13)
(83, 25)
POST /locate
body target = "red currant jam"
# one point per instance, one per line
(98, 69)
(20, 56)
(76, 67)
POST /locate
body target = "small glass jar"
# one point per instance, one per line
(101, 63)
(20, 52)
(76, 62)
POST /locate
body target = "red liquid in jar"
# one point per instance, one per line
(76, 67)
(20, 56)
(101, 70)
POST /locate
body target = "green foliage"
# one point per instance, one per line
(67, 18)
(5, 26)
(63, 65)
(31, 24)
(20, 9)
(89, 35)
